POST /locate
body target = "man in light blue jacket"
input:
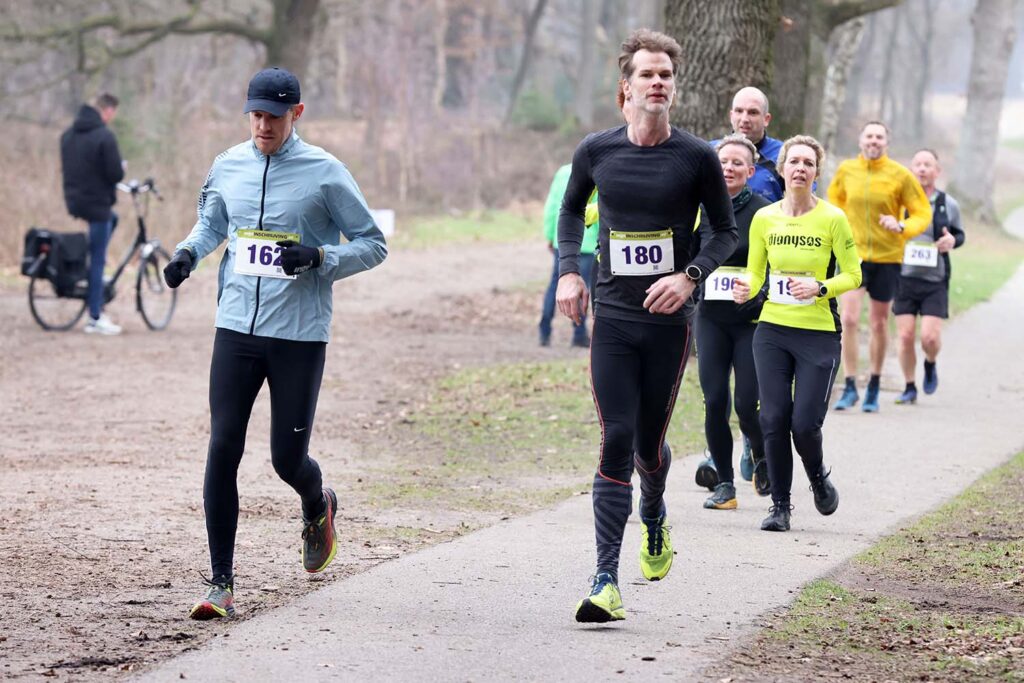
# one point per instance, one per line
(282, 205)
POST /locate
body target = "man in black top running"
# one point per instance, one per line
(652, 177)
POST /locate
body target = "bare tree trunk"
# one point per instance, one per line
(845, 41)
(529, 34)
(801, 45)
(440, 31)
(852, 104)
(994, 35)
(924, 34)
(726, 45)
(886, 107)
(585, 84)
(291, 34)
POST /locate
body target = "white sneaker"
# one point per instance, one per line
(102, 325)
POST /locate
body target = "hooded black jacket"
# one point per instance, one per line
(91, 166)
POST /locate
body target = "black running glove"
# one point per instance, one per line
(297, 259)
(178, 269)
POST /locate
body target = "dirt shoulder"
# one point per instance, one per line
(101, 522)
(940, 600)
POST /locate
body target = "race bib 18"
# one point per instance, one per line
(641, 253)
(718, 286)
(779, 293)
(920, 254)
(256, 253)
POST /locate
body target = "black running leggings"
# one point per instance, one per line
(635, 371)
(241, 363)
(721, 348)
(795, 371)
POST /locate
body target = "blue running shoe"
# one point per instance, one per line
(746, 461)
(848, 399)
(907, 397)
(870, 404)
(931, 378)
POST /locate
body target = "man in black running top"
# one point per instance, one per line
(652, 177)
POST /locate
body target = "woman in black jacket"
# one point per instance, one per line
(724, 334)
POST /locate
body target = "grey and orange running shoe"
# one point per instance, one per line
(219, 602)
(319, 539)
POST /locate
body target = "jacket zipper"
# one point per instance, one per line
(867, 209)
(259, 278)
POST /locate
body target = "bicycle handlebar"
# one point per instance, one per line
(134, 187)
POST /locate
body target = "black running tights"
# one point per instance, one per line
(795, 371)
(241, 363)
(635, 372)
(721, 349)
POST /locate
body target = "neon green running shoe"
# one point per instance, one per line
(655, 548)
(604, 603)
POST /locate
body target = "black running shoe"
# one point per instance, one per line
(778, 517)
(707, 475)
(762, 484)
(826, 497)
(931, 378)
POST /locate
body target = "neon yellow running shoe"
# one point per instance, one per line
(603, 604)
(655, 548)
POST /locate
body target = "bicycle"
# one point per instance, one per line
(154, 300)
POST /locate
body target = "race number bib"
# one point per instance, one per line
(256, 253)
(641, 253)
(918, 254)
(778, 291)
(718, 286)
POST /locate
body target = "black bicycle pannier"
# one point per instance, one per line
(68, 262)
(37, 240)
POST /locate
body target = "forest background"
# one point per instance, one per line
(463, 109)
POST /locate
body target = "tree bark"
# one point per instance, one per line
(994, 33)
(585, 83)
(726, 45)
(845, 41)
(529, 35)
(801, 45)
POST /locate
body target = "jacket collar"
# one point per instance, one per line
(874, 164)
(284, 151)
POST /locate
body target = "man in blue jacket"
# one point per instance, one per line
(282, 205)
(91, 168)
(750, 117)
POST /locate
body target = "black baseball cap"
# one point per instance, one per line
(274, 90)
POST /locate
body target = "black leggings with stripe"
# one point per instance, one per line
(795, 371)
(636, 369)
(241, 364)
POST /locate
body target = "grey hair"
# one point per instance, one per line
(741, 140)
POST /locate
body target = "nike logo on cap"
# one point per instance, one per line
(282, 94)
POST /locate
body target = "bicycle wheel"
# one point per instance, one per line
(52, 312)
(154, 299)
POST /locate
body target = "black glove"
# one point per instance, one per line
(297, 259)
(178, 269)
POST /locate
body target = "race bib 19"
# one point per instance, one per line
(918, 254)
(779, 292)
(256, 253)
(641, 253)
(718, 286)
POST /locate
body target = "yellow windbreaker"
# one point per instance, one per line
(866, 190)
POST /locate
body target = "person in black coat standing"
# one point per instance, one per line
(91, 168)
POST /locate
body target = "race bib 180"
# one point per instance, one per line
(779, 292)
(256, 253)
(641, 253)
(918, 254)
(718, 286)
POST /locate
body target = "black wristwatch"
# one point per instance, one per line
(822, 289)
(694, 273)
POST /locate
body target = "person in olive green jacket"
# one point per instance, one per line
(551, 207)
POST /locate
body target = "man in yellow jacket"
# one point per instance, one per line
(875, 192)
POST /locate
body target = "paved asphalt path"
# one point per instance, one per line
(499, 603)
